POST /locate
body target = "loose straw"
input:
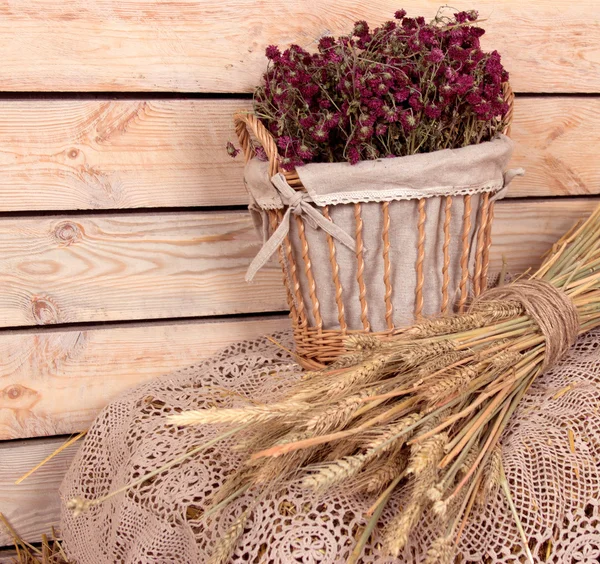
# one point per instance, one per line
(62, 447)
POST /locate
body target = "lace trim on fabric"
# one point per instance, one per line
(403, 194)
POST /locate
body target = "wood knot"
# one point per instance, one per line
(14, 392)
(73, 153)
(17, 396)
(68, 232)
(44, 311)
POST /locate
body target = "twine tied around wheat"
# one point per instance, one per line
(553, 311)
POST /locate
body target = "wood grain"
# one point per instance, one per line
(556, 142)
(8, 556)
(33, 506)
(152, 266)
(218, 46)
(55, 381)
(107, 154)
(523, 231)
(131, 266)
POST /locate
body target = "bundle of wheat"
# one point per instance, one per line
(423, 409)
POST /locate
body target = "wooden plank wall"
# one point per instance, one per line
(123, 234)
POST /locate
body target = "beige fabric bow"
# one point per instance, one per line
(298, 203)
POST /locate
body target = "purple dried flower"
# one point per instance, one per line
(381, 129)
(408, 121)
(290, 163)
(401, 95)
(305, 153)
(414, 45)
(374, 104)
(231, 150)
(432, 111)
(309, 90)
(457, 53)
(427, 36)
(368, 120)
(284, 141)
(474, 98)
(361, 28)
(390, 114)
(353, 155)
(463, 17)
(272, 52)
(436, 56)
(399, 14)
(450, 74)
(382, 88)
(463, 84)
(364, 132)
(332, 120)
(307, 122)
(319, 133)
(483, 110)
(475, 31)
(326, 43)
(415, 102)
(409, 24)
(493, 64)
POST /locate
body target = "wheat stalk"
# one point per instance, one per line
(239, 415)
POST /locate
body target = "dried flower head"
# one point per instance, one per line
(231, 150)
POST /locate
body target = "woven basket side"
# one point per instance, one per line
(317, 346)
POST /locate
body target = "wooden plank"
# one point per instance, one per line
(210, 46)
(524, 230)
(32, 507)
(107, 154)
(54, 381)
(556, 142)
(131, 266)
(152, 266)
(8, 556)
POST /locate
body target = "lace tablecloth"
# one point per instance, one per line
(551, 457)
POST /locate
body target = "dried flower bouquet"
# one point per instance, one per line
(405, 87)
(424, 409)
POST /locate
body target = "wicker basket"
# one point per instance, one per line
(317, 346)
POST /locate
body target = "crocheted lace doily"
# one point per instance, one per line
(551, 457)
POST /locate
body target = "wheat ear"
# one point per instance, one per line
(240, 415)
(227, 543)
(327, 475)
(441, 551)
